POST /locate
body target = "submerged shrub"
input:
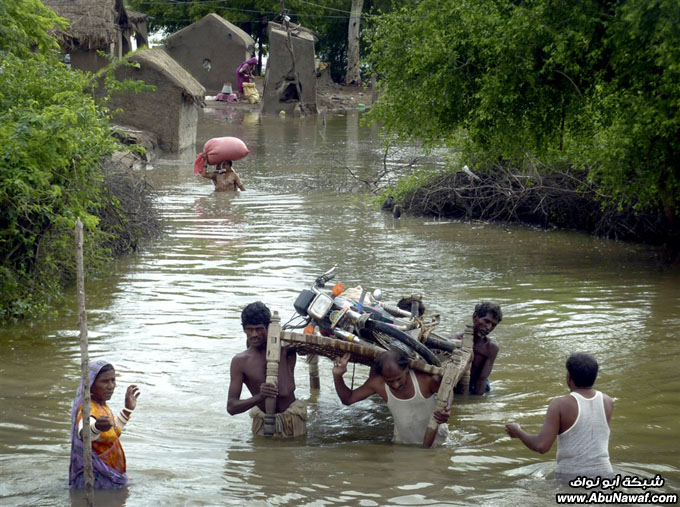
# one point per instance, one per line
(53, 137)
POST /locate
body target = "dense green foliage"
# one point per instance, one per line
(53, 138)
(328, 18)
(592, 85)
(24, 25)
(173, 16)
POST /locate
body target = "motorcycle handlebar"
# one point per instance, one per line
(326, 277)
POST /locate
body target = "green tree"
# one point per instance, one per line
(591, 84)
(635, 149)
(24, 28)
(488, 70)
(53, 137)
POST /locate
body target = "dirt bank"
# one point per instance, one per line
(557, 199)
(330, 96)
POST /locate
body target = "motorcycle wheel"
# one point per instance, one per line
(406, 339)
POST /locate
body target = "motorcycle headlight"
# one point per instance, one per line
(320, 306)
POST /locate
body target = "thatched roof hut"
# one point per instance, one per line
(171, 112)
(211, 49)
(92, 23)
(136, 17)
(103, 25)
(136, 27)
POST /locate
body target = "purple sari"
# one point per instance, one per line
(243, 69)
(105, 477)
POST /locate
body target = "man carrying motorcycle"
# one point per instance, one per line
(410, 395)
(249, 368)
(484, 320)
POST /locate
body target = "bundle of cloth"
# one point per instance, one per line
(218, 150)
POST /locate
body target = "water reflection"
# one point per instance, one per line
(168, 319)
(102, 498)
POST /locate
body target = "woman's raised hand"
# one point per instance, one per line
(131, 396)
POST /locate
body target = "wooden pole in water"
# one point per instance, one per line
(467, 344)
(454, 371)
(84, 366)
(314, 382)
(273, 357)
(444, 397)
(289, 46)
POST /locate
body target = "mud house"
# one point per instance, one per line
(97, 25)
(281, 79)
(211, 49)
(170, 112)
(135, 28)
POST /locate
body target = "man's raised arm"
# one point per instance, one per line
(545, 439)
(346, 395)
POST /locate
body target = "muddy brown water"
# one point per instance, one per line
(168, 319)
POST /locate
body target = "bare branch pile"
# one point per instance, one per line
(563, 199)
(129, 215)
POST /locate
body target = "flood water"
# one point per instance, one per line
(168, 319)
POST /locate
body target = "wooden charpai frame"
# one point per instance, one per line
(455, 369)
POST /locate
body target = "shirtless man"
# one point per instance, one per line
(249, 368)
(224, 178)
(580, 422)
(409, 395)
(484, 320)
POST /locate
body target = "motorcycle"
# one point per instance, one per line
(363, 318)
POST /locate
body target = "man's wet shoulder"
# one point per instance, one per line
(244, 356)
(487, 348)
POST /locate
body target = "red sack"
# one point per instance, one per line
(219, 149)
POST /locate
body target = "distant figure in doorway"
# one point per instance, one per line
(244, 73)
(580, 422)
(224, 178)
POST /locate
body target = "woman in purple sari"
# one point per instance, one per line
(244, 73)
(108, 458)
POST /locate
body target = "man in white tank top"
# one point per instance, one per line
(580, 421)
(410, 395)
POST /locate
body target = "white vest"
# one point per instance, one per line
(584, 448)
(412, 416)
